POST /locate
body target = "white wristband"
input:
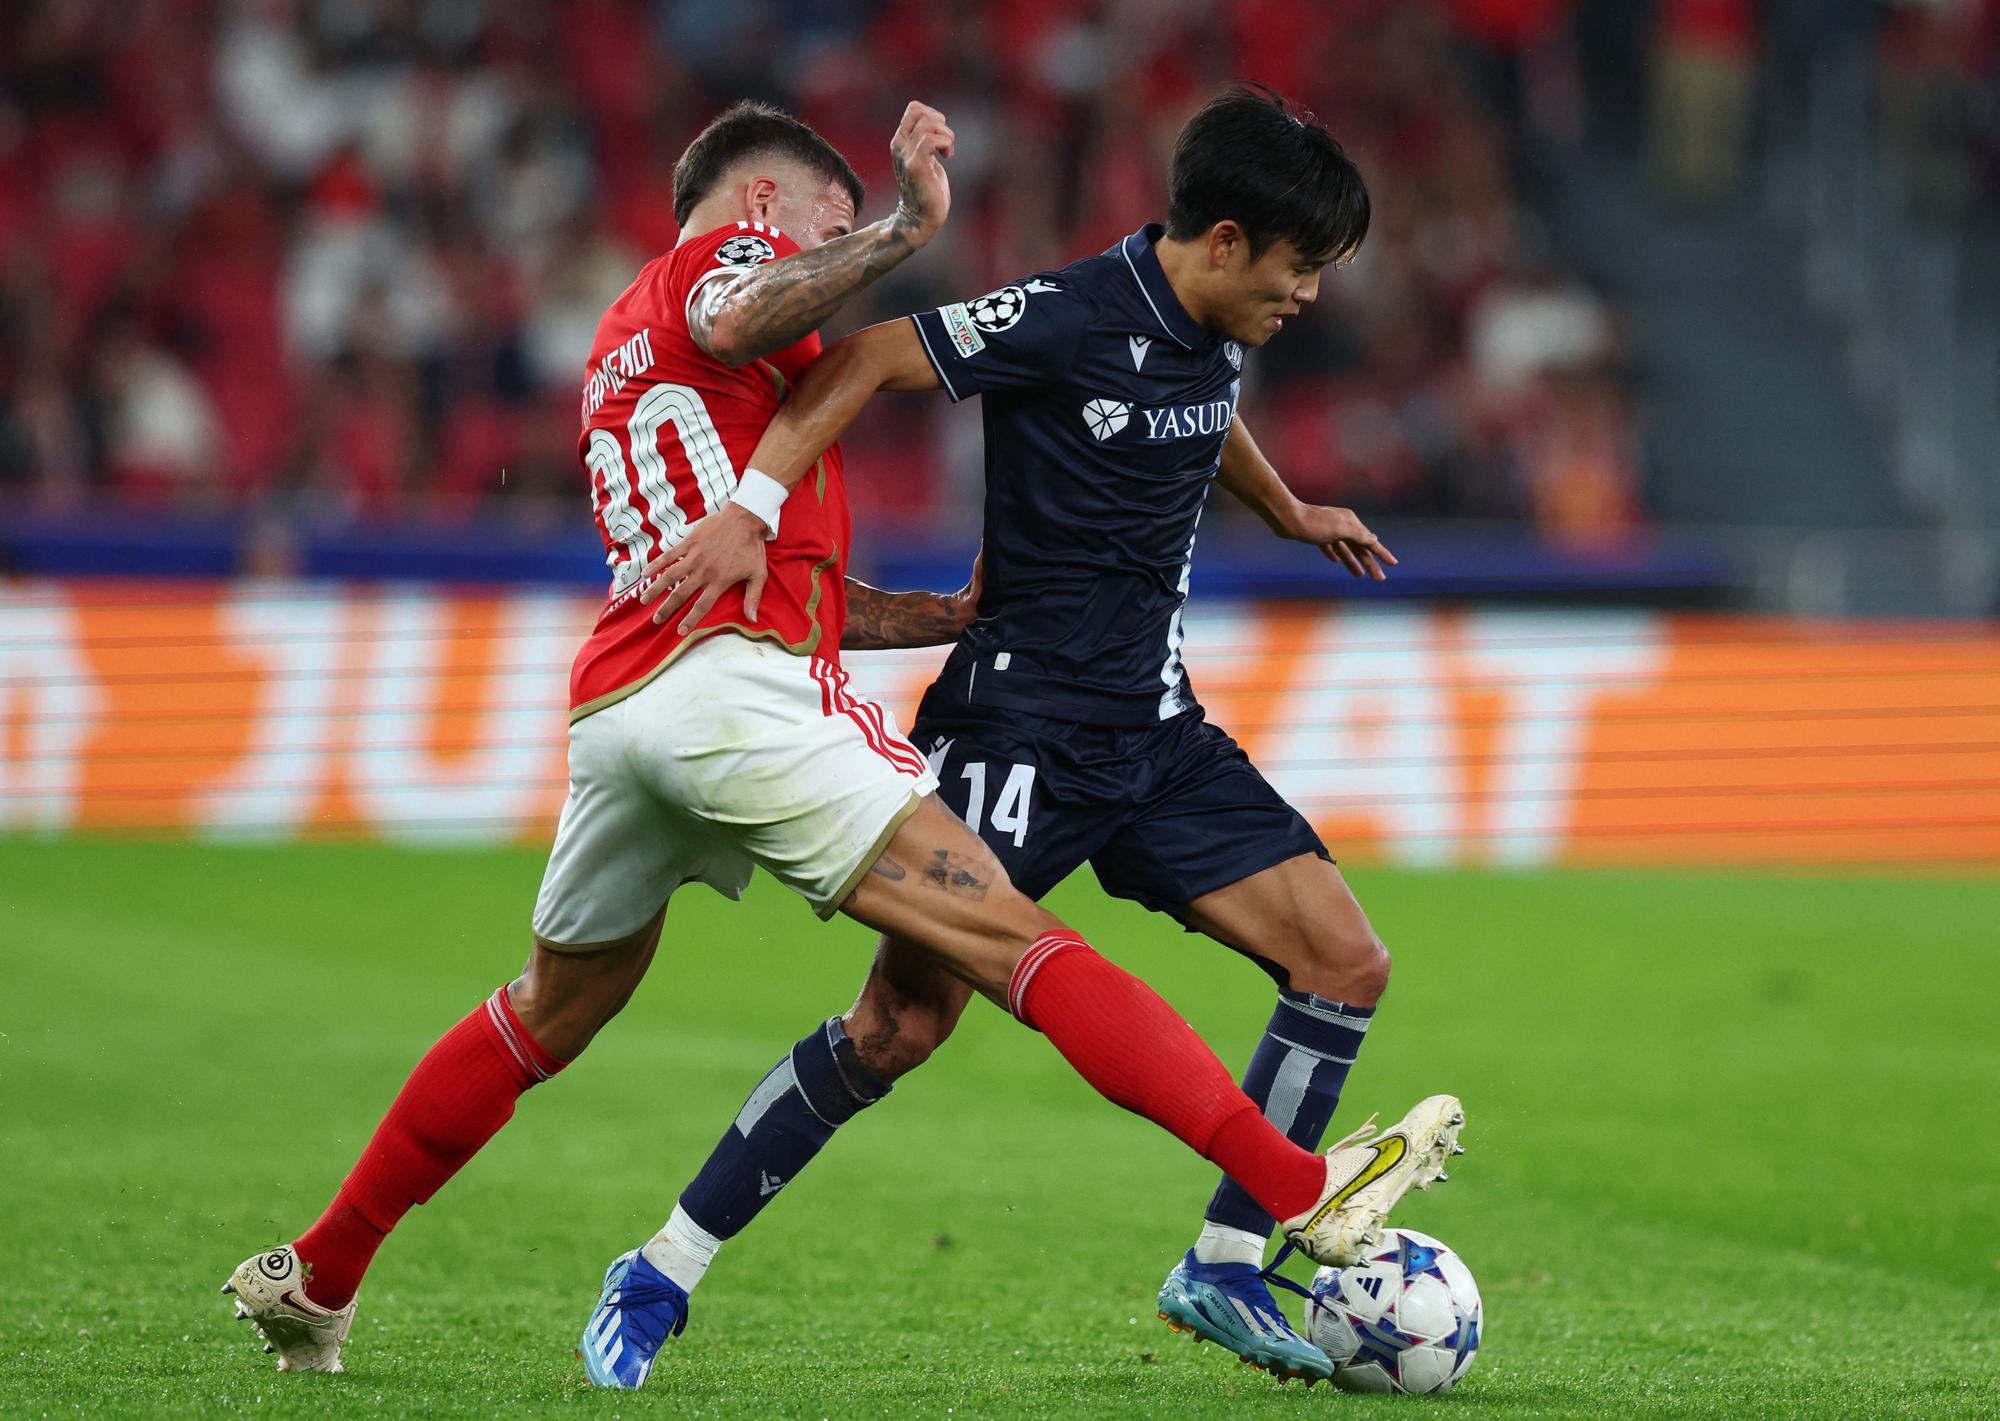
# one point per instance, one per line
(763, 496)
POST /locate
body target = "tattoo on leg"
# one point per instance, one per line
(949, 872)
(886, 867)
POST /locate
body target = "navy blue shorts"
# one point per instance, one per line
(1164, 813)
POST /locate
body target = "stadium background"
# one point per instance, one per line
(1671, 370)
(1691, 305)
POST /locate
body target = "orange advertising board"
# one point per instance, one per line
(1412, 735)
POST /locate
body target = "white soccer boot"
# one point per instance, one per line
(1365, 1177)
(271, 1294)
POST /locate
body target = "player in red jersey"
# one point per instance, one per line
(666, 427)
(695, 755)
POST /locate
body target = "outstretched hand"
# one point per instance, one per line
(1343, 538)
(724, 550)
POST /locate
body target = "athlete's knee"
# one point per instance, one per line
(1371, 972)
(564, 999)
(895, 1031)
(892, 1039)
(985, 949)
(1345, 964)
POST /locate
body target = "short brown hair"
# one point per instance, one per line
(748, 129)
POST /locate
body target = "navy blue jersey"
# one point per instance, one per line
(1106, 408)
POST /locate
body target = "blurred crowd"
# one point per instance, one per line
(342, 259)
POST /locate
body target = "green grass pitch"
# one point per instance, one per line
(1732, 1150)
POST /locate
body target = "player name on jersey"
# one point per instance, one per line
(634, 357)
(666, 431)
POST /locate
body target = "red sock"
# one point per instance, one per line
(1138, 1053)
(457, 1099)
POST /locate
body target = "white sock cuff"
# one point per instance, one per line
(682, 1249)
(1219, 1243)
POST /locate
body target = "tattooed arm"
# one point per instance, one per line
(780, 303)
(726, 548)
(883, 621)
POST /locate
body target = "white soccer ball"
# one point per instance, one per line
(1407, 1318)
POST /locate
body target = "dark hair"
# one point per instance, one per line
(1250, 157)
(749, 129)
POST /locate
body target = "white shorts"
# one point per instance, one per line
(738, 754)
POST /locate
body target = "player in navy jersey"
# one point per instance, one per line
(1064, 728)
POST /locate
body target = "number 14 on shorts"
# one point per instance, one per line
(1010, 805)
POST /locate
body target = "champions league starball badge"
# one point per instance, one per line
(745, 251)
(998, 310)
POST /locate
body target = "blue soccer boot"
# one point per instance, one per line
(638, 1310)
(1230, 1304)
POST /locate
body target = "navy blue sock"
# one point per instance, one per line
(1295, 1078)
(794, 1110)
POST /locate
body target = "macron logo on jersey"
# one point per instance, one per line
(634, 357)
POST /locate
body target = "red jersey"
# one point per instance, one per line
(667, 430)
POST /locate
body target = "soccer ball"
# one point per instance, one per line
(1406, 1318)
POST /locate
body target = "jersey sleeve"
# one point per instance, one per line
(706, 264)
(1016, 338)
